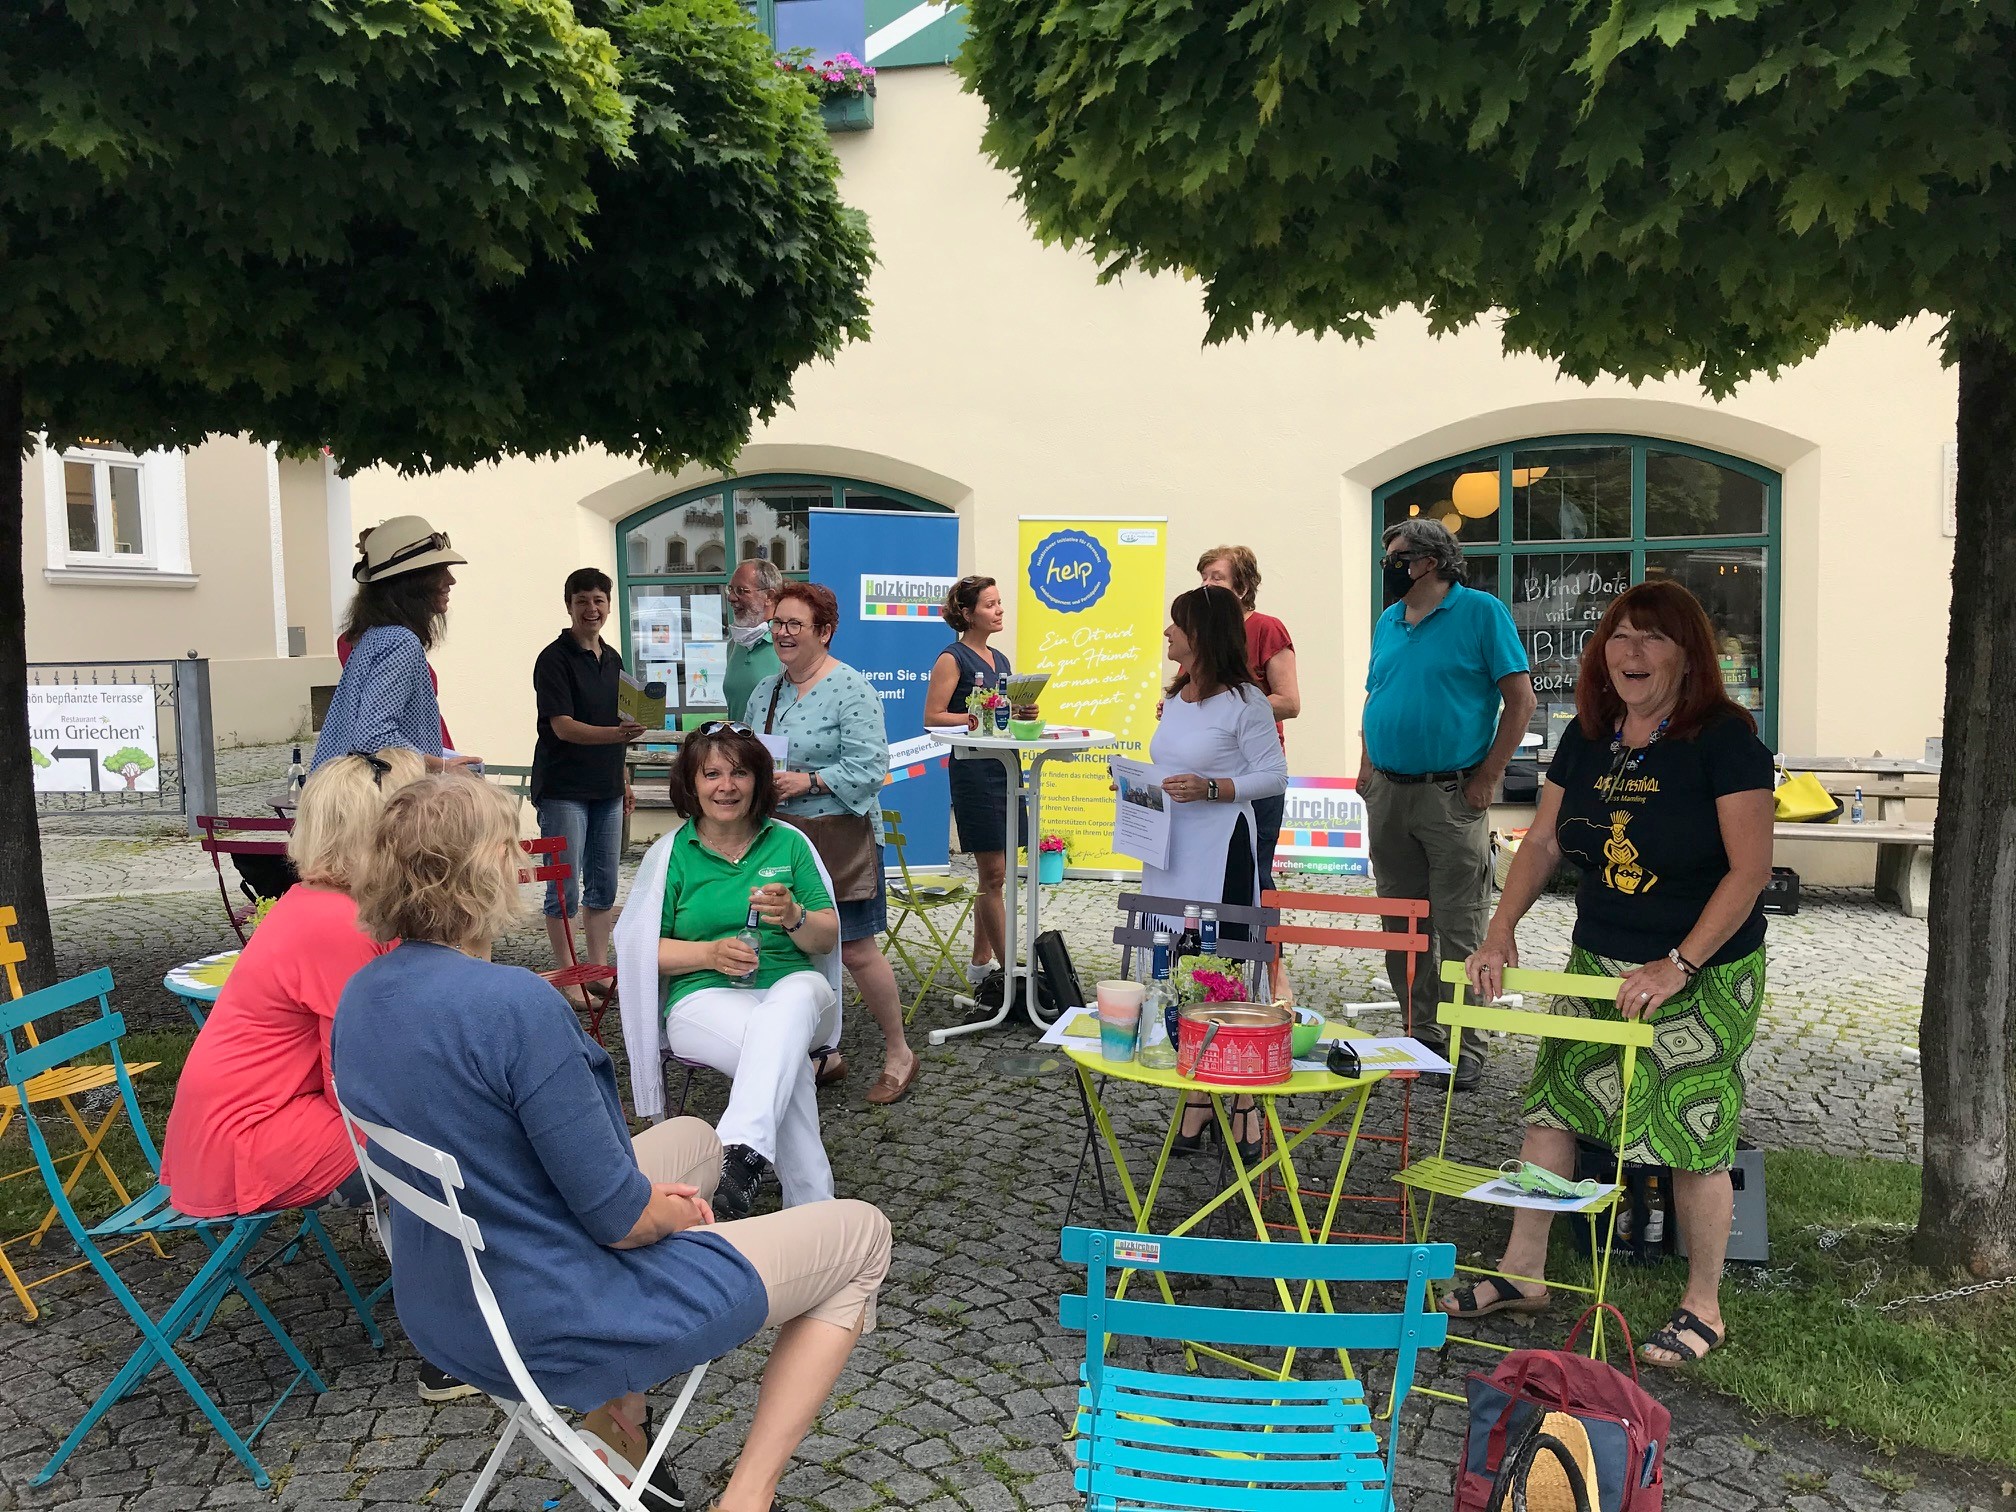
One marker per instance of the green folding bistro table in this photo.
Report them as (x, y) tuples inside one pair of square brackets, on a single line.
[(1342, 1098)]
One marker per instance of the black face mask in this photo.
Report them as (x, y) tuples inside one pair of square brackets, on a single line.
[(1399, 578)]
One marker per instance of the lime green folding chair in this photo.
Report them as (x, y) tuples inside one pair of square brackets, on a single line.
[(921, 901), (1438, 1176)]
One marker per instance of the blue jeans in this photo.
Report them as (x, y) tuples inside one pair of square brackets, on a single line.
[(593, 829)]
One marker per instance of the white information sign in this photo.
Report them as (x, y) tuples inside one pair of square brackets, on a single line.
[(86, 738)]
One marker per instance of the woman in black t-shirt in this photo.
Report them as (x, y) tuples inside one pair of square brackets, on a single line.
[(1660, 794)]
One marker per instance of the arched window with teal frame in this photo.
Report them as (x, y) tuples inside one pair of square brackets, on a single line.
[(674, 557), (1558, 526)]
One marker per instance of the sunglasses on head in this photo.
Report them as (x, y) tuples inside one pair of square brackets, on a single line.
[(724, 726), (379, 766)]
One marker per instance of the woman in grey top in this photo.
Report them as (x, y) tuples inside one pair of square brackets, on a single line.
[(838, 758)]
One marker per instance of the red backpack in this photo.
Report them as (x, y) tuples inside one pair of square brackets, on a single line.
[(1627, 1429)]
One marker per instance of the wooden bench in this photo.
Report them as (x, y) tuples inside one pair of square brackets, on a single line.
[(1903, 855)]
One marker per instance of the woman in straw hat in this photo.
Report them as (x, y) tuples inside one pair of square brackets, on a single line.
[(386, 695)]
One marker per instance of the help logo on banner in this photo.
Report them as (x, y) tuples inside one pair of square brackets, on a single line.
[(1069, 571)]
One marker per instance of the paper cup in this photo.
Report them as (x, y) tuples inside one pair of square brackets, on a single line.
[(1121, 1001), (1116, 1040)]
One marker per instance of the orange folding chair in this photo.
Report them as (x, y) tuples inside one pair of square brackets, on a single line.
[(577, 972), (1398, 925), (61, 1085)]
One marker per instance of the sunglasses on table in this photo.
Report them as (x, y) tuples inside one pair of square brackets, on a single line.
[(1342, 1061)]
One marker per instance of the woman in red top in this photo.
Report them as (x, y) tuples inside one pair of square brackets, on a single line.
[(1271, 653), (254, 1125)]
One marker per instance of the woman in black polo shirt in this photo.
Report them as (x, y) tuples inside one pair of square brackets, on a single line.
[(1660, 794), (579, 786)]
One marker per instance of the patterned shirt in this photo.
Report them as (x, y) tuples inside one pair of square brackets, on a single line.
[(835, 730), (385, 698)]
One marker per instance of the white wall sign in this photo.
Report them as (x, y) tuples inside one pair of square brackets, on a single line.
[(90, 739)]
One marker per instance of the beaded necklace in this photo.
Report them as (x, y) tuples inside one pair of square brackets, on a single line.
[(1624, 760)]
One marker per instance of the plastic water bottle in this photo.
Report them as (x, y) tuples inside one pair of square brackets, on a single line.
[(296, 776), (1855, 809), (748, 936), (1207, 931)]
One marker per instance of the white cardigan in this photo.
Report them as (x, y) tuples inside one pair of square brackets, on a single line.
[(641, 991)]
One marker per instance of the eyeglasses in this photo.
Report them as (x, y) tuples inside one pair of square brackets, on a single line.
[(788, 627), (379, 766), (721, 726), (1342, 1061)]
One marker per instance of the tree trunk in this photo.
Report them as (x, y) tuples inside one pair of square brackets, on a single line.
[(1968, 1033), (20, 836)]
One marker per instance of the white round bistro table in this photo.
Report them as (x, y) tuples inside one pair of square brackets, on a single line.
[(1055, 744)]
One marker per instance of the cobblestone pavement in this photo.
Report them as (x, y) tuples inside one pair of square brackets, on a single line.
[(959, 1402)]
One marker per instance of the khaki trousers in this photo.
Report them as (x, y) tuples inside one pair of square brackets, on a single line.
[(1427, 842), (823, 1260)]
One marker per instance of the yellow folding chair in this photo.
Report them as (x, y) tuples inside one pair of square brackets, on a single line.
[(1439, 1176), (60, 1086), (920, 900)]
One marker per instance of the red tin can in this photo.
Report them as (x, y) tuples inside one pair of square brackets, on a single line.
[(1250, 1048)]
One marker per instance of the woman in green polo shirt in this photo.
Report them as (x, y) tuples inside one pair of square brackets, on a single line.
[(753, 1014)]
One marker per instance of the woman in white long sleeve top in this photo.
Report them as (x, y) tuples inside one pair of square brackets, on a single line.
[(1216, 737)]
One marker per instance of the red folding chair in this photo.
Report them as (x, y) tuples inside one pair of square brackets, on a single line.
[(222, 837), (576, 973), (1410, 938)]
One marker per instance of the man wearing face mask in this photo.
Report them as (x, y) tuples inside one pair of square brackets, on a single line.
[(1447, 698), (751, 658)]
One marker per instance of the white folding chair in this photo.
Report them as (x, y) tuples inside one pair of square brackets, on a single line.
[(532, 1415)]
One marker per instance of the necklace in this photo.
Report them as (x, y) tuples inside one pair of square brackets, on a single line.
[(729, 853), (1624, 760)]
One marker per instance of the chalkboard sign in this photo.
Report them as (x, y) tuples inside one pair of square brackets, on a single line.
[(1557, 600)]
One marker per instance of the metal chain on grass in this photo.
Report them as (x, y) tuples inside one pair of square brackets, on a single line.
[(1946, 1296), (1828, 1239)]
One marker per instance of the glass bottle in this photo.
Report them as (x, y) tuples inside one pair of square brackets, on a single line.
[(296, 775), (1191, 941), (1207, 932), (1157, 1046)]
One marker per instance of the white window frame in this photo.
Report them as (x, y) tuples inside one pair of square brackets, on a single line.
[(164, 519)]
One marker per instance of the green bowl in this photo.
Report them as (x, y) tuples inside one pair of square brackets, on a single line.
[(1025, 729), (1302, 1038)]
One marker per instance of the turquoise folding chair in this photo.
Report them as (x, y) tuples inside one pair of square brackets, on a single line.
[(230, 1241), (1156, 1439)]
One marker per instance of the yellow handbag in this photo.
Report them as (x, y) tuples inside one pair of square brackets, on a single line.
[(1799, 798)]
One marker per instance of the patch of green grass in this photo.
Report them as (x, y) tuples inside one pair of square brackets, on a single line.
[(1806, 1480), (24, 1200), (1931, 1376), (1890, 1480)]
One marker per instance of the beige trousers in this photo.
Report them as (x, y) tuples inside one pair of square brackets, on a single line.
[(823, 1260), (1427, 842)]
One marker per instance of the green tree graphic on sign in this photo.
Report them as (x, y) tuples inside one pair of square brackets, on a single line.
[(129, 762)]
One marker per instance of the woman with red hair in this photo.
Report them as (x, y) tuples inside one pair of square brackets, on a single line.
[(1660, 794)]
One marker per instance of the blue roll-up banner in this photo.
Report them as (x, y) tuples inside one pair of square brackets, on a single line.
[(891, 569)]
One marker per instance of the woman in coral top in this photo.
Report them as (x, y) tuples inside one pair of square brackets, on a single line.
[(254, 1125)]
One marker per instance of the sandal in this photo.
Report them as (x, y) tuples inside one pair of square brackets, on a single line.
[(828, 1066), (1669, 1339), (1505, 1297)]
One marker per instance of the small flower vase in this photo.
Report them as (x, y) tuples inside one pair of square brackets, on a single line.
[(1049, 866), (1000, 717)]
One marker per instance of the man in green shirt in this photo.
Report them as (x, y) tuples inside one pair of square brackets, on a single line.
[(752, 592)]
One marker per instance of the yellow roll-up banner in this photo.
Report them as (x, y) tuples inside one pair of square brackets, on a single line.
[(1089, 610)]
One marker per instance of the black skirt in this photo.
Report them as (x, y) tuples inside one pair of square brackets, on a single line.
[(980, 805)]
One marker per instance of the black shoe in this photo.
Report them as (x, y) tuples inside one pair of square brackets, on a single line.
[(1195, 1144), (1249, 1149), (1469, 1065), (742, 1173), (436, 1385)]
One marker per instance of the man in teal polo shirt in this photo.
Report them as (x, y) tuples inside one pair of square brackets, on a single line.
[(1447, 698)]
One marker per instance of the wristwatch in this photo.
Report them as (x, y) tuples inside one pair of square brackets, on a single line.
[(1211, 789)]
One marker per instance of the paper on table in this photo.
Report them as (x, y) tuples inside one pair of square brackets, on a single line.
[(1501, 1193), (703, 617), (1075, 1028), (1140, 812)]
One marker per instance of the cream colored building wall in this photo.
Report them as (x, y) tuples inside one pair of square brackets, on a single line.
[(230, 613), (1002, 379)]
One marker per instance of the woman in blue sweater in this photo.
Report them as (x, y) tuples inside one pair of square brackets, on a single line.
[(603, 1252)]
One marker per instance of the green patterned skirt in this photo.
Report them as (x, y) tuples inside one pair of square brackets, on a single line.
[(1687, 1093)]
